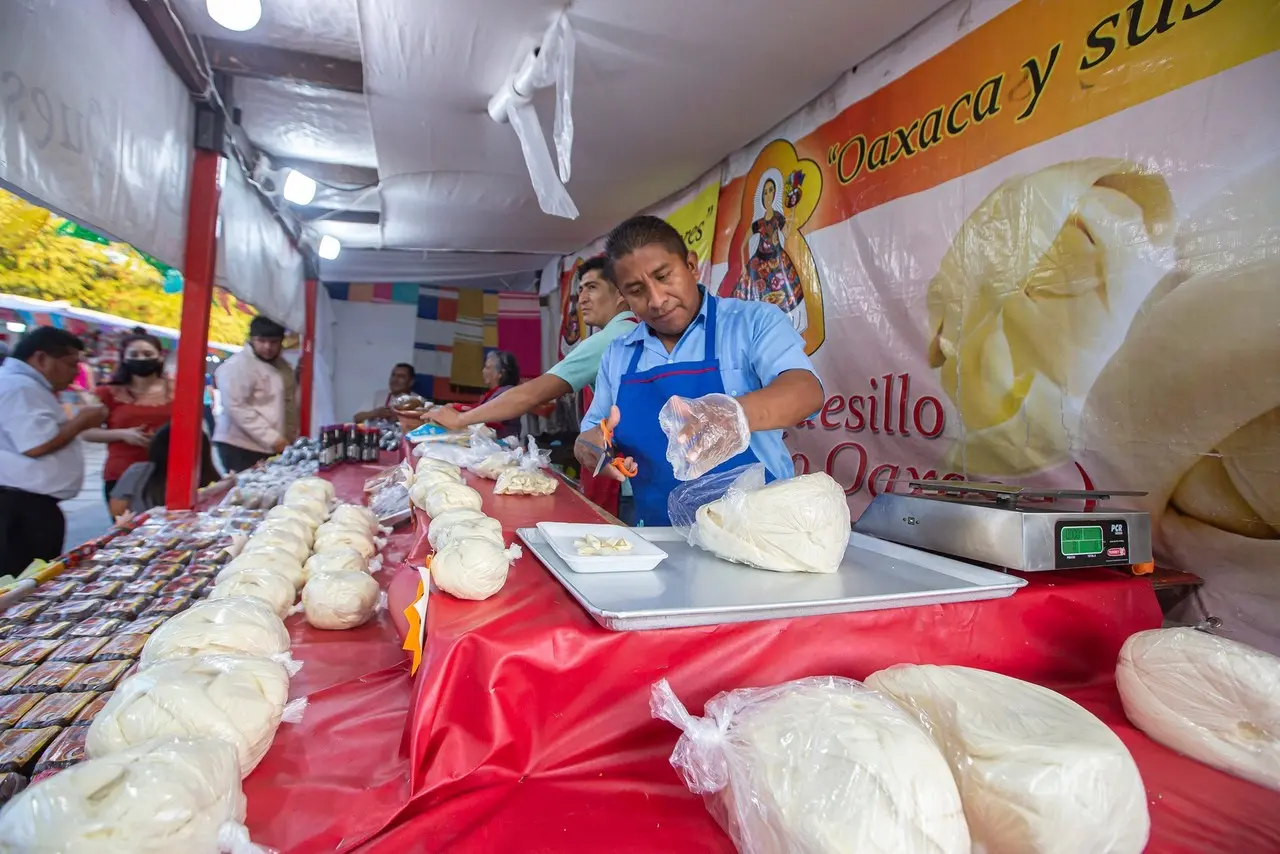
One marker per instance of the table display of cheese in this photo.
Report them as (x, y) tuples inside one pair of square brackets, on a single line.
[(171, 637)]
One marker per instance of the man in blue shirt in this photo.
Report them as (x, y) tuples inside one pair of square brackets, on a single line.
[(703, 385)]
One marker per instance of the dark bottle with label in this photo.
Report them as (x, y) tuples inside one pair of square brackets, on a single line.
[(354, 454)]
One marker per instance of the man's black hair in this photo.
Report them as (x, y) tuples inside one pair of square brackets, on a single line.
[(408, 367), (638, 232), (264, 327), (596, 264), (47, 339)]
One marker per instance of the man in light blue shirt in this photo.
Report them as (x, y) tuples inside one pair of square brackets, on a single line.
[(703, 385), (41, 459)]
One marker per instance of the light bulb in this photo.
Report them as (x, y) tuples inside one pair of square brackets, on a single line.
[(298, 188), (236, 15), (329, 247)]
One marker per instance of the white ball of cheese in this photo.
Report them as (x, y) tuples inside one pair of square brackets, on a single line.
[(451, 496), (316, 511), (340, 600), (346, 538), (271, 587), (316, 488), (471, 568), (235, 698), (239, 626), (279, 540), (354, 516), (304, 531), (462, 523), (284, 511), (269, 558), (336, 560)]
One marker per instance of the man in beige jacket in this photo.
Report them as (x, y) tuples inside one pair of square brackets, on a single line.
[(259, 415)]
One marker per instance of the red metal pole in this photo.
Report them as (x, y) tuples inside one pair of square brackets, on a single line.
[(307, 361), (197, 295)]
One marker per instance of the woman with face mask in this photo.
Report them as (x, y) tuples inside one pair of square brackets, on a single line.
[(139, 401)]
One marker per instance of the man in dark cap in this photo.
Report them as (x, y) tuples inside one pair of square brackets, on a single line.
[(259, 393)]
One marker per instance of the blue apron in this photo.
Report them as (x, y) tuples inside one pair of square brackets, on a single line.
[(641, 396)]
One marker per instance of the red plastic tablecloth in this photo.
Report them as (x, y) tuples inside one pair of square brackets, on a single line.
[(530, 727)]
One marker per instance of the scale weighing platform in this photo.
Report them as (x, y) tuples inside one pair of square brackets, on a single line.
[(1012, 527)]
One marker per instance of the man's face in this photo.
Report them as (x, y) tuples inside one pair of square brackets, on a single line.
[(660, 287), (401, 381), (267, 349), (60, 371), (597, 298)]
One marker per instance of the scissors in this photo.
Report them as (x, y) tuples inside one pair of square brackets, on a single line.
[(619, 462)]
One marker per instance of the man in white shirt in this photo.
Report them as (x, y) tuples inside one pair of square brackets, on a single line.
[(41, 458), (259, 415), (401, 382)]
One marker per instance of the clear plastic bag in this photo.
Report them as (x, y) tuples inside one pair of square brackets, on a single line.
[(529, 475), (239, 626), (816, 766), (1210, 698), (340, 600), (703, 433), (238, 699), (159, 798), (797, 525), (1037, 773)]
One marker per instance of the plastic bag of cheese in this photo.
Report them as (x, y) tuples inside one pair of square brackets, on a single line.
[(238, 626), (163, 797), (238, 699), (820, 766), (1037, 773), (795, 525), (1213, 699)]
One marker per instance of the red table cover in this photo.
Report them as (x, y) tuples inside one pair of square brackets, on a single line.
[(530, 728)]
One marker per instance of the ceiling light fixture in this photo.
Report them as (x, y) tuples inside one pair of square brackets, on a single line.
[(298, 188), (236, 15), (329, 247)]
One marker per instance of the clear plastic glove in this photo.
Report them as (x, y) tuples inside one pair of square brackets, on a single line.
[(703, 433)]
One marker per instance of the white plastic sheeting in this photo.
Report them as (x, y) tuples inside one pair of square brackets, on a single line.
[(324, 27), (104, 140), (306, 122), (256, 260), (454, 268), (323, 361)]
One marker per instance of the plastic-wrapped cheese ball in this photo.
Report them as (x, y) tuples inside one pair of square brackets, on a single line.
[(355, 526), (269, 558), (340, 600), (304, 531), (493, 465), (338, 560), (284, 511), (451, 496), (271, 587), (345, 538), (239, 626), (424, 484), (232, 697), (316, 488), (280, 540), (163, 797), (316, 511), (472, 567), (355, 516), (462, 522), (429, 464)]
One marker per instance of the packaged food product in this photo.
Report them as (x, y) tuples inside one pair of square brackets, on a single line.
[(55, 590), (185, 585), (105, 557), (23, 612), (144, 625), (124, 609), (99, 589), (10, 676), (48, 678), (74, 609), (20, 747), (205, 569), (162, 571), (99, 676), (41, 631), (29, 652), (175, 796), (10, 784), (141, 554), (94, 627), (79, 576), (122, 647), (167, 605), (89, 712), (55, 710), (122, 572), (143, 587), (14, 706), (177, 556), (212, 556), (79, 650), (65, 750)]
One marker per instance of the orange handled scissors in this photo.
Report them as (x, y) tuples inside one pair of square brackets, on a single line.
[(627, 468)]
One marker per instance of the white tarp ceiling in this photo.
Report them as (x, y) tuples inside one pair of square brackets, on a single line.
[(102, 140)]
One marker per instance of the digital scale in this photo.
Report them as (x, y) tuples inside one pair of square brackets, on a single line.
[(1014, 527)]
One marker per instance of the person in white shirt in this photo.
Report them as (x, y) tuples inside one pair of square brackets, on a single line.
[(259, 415), (41, 458), (401, 382)]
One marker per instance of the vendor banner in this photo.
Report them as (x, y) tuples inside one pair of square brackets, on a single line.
[(1039, 243)]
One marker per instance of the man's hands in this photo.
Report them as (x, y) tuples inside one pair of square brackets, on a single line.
[(589, 457), (89, 417), (703, 433)]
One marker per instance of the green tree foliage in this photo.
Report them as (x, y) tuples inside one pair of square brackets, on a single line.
[(38, 262)]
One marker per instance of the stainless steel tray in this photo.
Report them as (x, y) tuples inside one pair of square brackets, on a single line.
[(695, 588)]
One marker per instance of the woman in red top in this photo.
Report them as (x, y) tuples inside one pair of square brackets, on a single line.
[(139, 401)]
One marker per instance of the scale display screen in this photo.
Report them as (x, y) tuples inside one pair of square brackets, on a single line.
[(1096, 542)]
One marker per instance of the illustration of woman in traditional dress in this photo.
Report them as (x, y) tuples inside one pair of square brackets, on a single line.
[(768, 272)]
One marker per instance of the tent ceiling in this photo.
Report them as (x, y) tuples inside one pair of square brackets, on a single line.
[(664, 90)]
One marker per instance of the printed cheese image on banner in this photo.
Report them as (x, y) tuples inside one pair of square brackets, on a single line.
[(1038, 242)]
